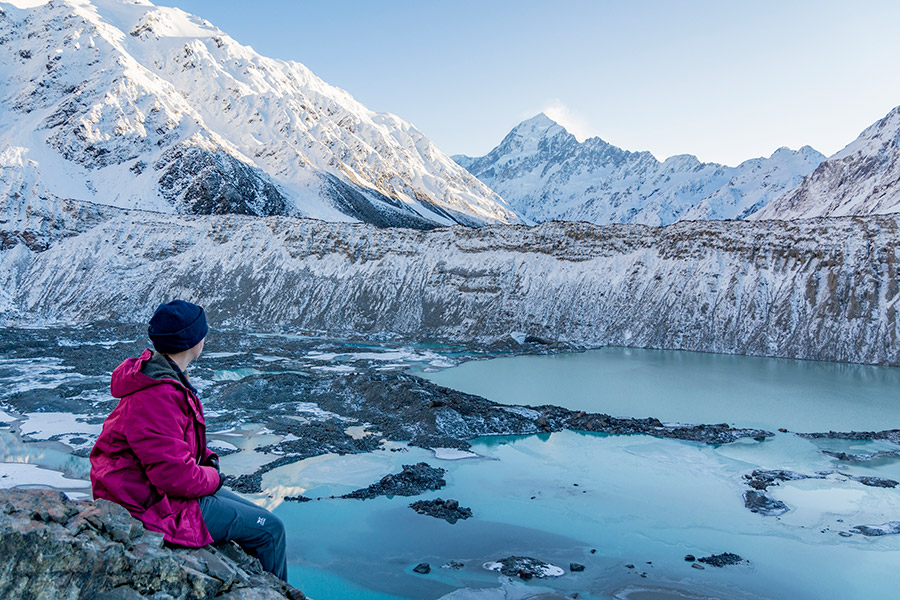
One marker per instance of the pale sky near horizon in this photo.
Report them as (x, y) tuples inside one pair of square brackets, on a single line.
[(726, 81)]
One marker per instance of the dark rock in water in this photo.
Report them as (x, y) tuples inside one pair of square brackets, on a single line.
[(576, 567), (862, 457), (454, 565), (412, 481), (761, 480), (449, 510), (53, 547), (721, 560), (889, 528), (759, 502), (875, 481), (690, 558), (698, 566), (524, 567), (892, 435), (297, 499), (845, 534), (423, 568), (629, 566), (593, 551)]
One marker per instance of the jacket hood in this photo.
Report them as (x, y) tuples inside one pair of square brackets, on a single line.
[(147, 370)]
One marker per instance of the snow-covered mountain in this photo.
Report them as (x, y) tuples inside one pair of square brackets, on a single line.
[(861, 179), (816, 288), (124, 103), (544, 173)]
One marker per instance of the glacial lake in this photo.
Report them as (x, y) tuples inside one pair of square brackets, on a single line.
[(628, 508), (692, 387)]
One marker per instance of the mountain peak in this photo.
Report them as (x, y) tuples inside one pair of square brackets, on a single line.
[(146, 106), (539, 125)]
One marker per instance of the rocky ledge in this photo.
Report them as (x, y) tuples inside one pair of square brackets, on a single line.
[(56, 547)]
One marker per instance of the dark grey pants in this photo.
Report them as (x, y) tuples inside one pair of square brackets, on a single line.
[(256, 530)]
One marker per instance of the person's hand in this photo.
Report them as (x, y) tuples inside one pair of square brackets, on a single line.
[(212, 461)]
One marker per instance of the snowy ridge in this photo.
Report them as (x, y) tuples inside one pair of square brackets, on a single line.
[(546, 174), (819, 289), (137, 106), (861, 179)]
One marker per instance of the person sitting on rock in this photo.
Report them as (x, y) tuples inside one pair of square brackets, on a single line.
[(151, 456)]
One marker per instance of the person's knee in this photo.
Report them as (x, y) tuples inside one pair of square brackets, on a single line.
[(272, 526), (277, 528)]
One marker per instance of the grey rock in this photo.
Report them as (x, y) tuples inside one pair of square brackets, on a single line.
[(889, 528), (449, 510), (721, 560), (53, 547), (759, 502), (523, 567), (411, 481)]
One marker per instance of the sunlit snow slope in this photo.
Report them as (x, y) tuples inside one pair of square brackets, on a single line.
[(128, 104), (861, 179)]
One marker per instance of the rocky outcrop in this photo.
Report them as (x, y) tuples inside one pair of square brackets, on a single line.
[(448, 510), (53, 547), (411, 481), (818, 289)]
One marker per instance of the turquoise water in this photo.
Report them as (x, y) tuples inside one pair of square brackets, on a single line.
[(632, 498), (692, 387), (635, 500)]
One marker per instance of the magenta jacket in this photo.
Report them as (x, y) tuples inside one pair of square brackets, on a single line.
[(147, 456)]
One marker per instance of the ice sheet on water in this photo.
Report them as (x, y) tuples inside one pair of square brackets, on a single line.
[(43, 426), (452, 454), (509, 589), (15, 474), (234, 374)]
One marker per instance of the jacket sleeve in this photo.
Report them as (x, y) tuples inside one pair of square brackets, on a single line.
[(156, 434)]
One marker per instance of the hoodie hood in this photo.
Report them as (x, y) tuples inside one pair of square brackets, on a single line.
[(147, 370)]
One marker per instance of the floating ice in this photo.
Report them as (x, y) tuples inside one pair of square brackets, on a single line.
[(43, 426), (15, 474), (452, 454)]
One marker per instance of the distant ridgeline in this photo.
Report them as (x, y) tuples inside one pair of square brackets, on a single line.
[(144, 154), (817, 288)]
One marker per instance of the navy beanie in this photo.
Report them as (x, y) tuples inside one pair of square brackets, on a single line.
[(177, 326)]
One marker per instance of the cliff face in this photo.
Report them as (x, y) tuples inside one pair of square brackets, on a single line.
[(818, 289), (53, 547)]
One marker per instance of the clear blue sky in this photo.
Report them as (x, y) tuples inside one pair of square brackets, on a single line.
[(726, 80)]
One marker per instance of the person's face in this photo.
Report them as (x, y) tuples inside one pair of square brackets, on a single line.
[(197, 350)]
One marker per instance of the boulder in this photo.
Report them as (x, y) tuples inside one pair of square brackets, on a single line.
[(56, 547)]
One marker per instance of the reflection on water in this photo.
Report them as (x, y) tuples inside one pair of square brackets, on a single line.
[(692, 387)]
